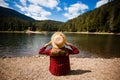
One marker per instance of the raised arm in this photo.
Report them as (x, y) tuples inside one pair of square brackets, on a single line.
[(73, 49), (43, 49)]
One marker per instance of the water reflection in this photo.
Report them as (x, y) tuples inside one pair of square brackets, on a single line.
[(21, 44), (106, 46)]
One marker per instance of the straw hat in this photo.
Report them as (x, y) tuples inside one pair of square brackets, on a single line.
[(58, 40)]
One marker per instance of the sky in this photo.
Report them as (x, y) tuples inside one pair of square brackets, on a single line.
[(58, 10)]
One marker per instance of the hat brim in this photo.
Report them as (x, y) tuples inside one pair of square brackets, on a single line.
[(61, 44)]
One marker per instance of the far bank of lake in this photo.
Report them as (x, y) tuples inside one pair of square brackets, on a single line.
[(42, 32)]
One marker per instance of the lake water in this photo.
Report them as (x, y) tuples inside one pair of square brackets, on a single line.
[(90, 45)]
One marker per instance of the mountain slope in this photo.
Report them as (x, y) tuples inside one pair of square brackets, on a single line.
[(11, 20), (103, 19), (13, 13), (48, 25)]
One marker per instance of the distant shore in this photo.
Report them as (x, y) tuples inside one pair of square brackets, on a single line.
[(12, 31), (27, 31), (94, 33), (45, 32), (36, 68)]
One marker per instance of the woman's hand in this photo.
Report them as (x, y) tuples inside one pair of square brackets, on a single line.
[(47, 44), (68, 44)]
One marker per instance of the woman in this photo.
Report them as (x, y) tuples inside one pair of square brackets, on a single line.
[(59, 54)]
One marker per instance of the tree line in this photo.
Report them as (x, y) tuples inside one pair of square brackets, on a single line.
[(103, 19)]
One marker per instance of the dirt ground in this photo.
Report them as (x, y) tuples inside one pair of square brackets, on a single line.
[(36, 68)]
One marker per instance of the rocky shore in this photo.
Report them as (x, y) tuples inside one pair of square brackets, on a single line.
[(36, 68)]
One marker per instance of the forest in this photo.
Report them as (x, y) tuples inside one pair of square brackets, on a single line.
[(103, 19)]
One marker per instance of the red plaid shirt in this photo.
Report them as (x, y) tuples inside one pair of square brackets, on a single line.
[(59, 65)]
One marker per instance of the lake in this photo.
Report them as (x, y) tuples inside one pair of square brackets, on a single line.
[(89, 45)]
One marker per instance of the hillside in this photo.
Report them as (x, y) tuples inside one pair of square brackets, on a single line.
[(103, 19), (13, 13), (48, 25), (11, 20)]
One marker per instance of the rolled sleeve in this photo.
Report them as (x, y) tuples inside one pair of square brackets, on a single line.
[(44, 51), (74, 50)]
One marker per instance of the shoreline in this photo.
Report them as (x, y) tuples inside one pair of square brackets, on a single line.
[(12, 31), (46, 32), (95, 33), (37, 68)]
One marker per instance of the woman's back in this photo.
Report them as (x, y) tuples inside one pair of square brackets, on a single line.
[(59, 65), (59, 54)]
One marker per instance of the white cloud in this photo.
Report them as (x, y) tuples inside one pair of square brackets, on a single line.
[(101, 2), (58, 8), (34, 11), (46, 3), (65, 8), (3, 3), (74, 10), (38, 12), (23, 2), (21, 7), (35, 8)]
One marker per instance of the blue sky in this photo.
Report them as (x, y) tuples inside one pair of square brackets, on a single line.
[(59, 10)]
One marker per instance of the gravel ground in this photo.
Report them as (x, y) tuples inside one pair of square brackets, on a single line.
[(36, 68)]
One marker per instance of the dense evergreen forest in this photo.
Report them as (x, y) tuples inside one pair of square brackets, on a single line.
[(48, 25), (11, 20), (103, 19)]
